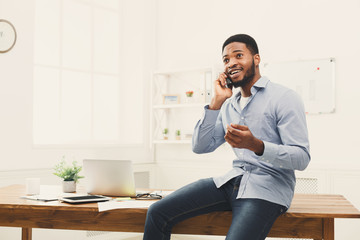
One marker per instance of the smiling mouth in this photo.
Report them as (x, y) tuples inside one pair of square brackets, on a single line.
[(235, 71)]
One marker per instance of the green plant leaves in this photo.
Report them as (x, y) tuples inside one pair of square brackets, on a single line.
[(68, 173)]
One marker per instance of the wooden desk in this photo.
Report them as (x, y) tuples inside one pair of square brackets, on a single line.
[(310, 216)]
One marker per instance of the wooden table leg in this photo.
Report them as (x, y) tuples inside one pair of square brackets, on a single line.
[(328, 229), (26, 234)]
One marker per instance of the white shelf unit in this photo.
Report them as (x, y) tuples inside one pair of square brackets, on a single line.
[(182, 114)]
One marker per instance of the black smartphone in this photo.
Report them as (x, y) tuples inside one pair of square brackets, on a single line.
[(229, 82)]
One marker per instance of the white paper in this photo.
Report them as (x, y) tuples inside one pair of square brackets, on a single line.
[(44, 198), (163, 193), (106, 206)]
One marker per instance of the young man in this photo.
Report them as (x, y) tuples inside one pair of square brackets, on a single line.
[(265, 125)]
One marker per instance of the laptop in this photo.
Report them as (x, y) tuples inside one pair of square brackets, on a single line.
[(109, 177)]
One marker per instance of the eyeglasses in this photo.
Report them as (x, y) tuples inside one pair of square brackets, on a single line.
[(148, 196)]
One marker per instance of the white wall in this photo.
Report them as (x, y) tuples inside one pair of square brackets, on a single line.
[(16, 79)]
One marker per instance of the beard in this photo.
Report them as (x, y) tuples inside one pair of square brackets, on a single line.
[(249, 76)]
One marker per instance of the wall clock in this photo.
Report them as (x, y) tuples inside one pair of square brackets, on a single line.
[(7, 36)]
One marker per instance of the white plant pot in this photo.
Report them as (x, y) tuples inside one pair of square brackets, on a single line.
[(69, 186), (189, 99)]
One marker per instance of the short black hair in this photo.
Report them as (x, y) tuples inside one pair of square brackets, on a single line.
[(243, 38)]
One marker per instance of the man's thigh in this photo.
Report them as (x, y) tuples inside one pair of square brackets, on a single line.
[(192, 200), (253, 219)]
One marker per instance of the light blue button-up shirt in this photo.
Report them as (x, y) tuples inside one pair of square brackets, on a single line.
[(275, 115)]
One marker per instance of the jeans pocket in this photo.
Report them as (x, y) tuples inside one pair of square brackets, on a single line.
[(282, 210), (236, 184)]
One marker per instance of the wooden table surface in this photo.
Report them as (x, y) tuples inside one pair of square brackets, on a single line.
[(310, 216), (322, 206)]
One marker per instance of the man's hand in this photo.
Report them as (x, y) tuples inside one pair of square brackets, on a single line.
[(239, 136), (221, 93)]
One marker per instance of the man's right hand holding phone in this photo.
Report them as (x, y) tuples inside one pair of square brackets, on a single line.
[(221, 92)]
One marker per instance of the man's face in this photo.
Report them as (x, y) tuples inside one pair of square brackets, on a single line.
[(239, 63)]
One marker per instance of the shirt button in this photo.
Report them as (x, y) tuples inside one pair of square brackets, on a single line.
[(267, 161), (281, 166), (242, 118), (262, 158)]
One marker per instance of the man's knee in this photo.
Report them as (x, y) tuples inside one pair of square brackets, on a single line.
[(155, 211)]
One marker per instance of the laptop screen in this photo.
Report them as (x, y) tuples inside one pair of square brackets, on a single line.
[(109, 177)]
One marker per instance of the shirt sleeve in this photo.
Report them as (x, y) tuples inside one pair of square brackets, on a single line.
[(294, 152), (209, 132)]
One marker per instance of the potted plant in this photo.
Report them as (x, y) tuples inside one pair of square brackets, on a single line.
[(189, 93), (166, 133), (189, 96), (178, 134), (69, 174)]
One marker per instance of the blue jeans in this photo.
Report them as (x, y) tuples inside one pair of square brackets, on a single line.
[(251, 218)]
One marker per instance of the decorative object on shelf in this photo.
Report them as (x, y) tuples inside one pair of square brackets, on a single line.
[(189, 96), (166, 134), (69, 174), (189, 93), (178, 134), (171, 99), (7, 36), (188, 136)]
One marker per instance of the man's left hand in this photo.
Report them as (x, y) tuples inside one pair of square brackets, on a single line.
[(240, 136)]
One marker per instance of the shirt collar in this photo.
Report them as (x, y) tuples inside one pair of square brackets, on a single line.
[(260, 83)]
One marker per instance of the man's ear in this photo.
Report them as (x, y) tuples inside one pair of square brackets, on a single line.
[(257, 59)]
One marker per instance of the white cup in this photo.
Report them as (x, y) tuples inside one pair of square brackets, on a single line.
[(32, 186)]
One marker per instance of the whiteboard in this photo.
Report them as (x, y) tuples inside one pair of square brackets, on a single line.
[(313, 80)]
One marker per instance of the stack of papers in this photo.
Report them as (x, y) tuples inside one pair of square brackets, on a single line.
[(110, 205), (45, 198), (121, 203)]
